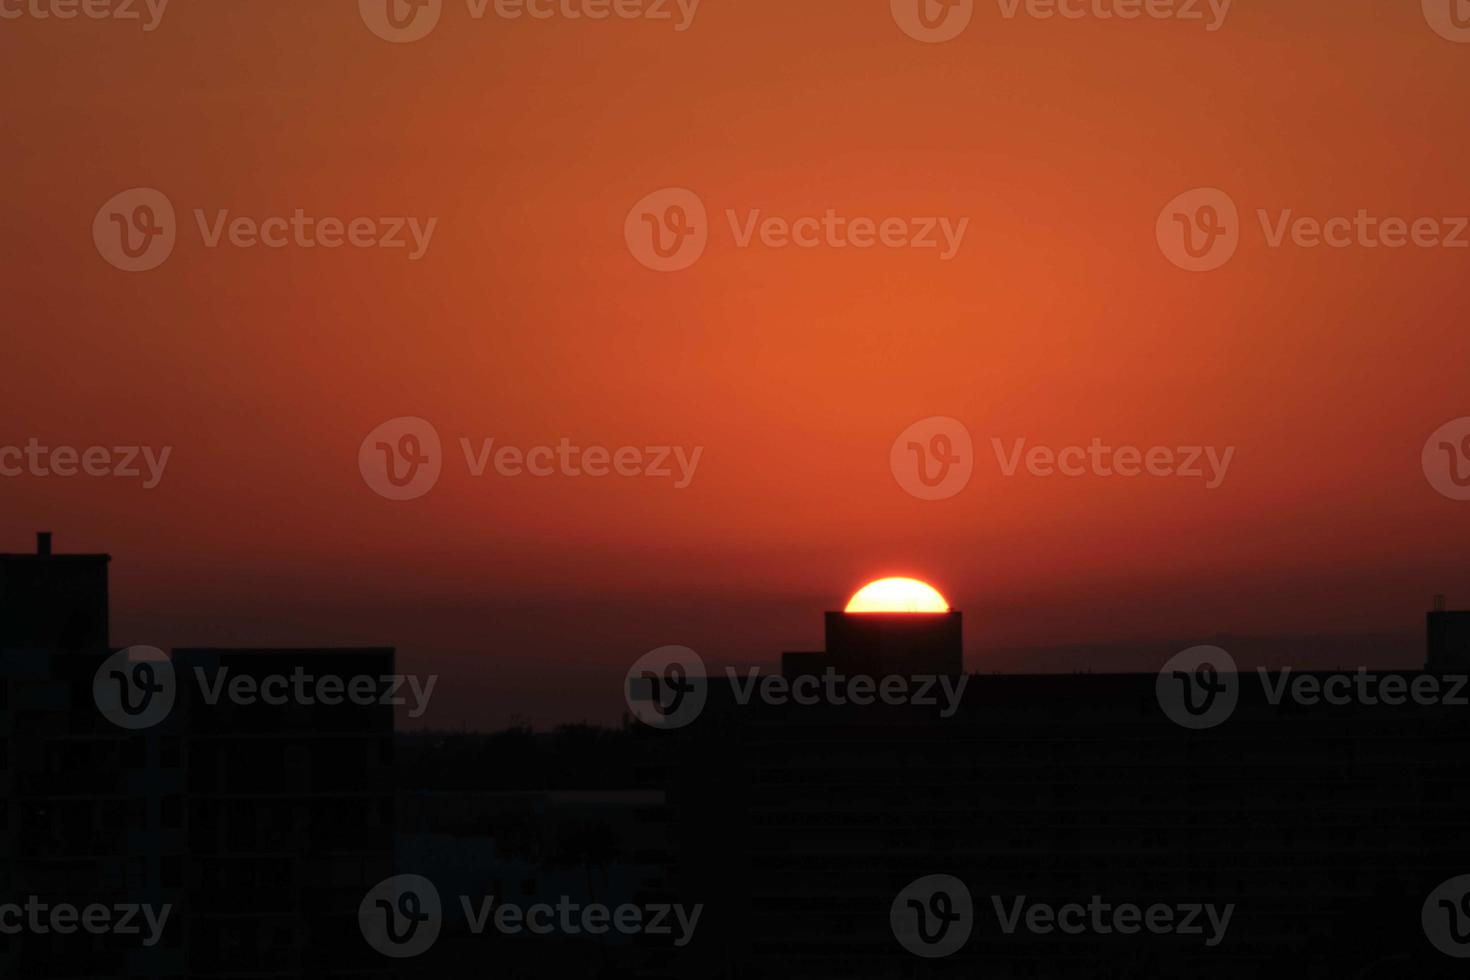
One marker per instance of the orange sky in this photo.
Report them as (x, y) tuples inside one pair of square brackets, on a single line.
[(528, 320)]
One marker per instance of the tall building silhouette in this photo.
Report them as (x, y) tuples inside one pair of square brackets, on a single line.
[(89, 813), (259, 826)]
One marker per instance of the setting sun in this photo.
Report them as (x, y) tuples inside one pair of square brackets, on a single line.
[(897, 595)]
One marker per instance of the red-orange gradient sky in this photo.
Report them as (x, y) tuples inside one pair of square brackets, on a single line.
[(528, 320)]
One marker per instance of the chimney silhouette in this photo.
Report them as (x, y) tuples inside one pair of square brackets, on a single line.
[(43, 543)]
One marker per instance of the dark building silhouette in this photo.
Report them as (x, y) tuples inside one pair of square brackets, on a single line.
[(592, 839), (89, 813), (53, 602), (263, 825), (875, 644), (290, 814), (259, 826), (1326, 826), (1449, 640)]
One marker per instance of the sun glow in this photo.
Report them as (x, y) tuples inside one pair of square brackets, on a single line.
[(897, 595)]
